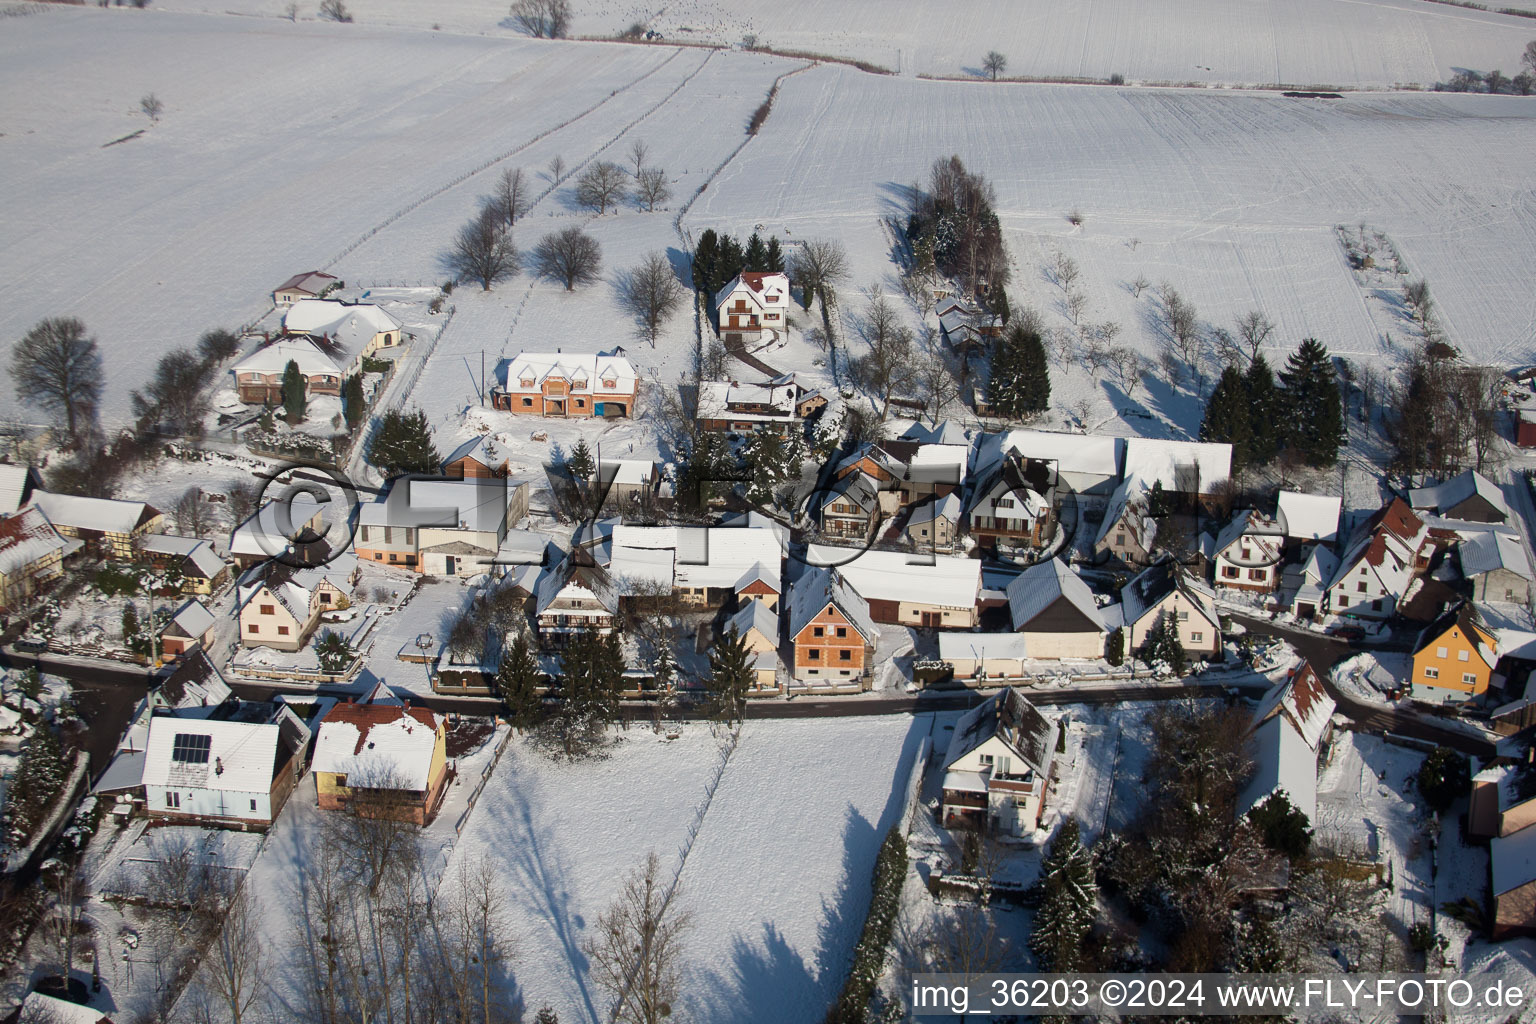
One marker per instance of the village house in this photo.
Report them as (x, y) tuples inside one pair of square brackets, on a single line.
[(901, 588), (1168, 589), (292, 529), (106, 525), (628, 483), (1383, 555), (1495, 565), (980, 657), (1469, 497), (1512, 865), (280, 605), (934, 524), (190, 627), (480, 456), (1454, 657), (760, 583), (312, 284), (202, 570), (603, 384), (753, 307), (1087, 466), (1128, 535), (781, 405), (1190, 472), (702, 566), (1289, 727), (1502, 802), (1310, 582), (348, 333), (259, 376), (31, 554), (1053, 610), (850, 507), (1308, 520), (382, 760), (831, 631), (1014, 504), (758, 627), (16, 486), (957, 328), (573, 598), (40, 1008), (441, 527), (906, 472), (1249, 551), (998, 766), (230, 765)]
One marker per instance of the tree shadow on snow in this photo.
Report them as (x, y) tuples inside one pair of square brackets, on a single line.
[(897, 200), (753, 987), (682, 266)]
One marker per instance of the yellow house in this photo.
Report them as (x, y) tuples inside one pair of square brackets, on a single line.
[(31, 551), (109, 525), (383, 760), (1454, 657)]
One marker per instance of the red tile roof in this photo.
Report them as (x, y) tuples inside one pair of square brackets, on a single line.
[(366, 716)]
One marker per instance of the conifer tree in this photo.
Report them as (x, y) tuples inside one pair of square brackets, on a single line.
[(706, 263), (517, 680), (403, 444), (1163, 644), (1263, 412), (294, 398), (591, 675), (36, 783), (1068, 903), (1313, 414), (1020, 386), (580, 462), (354, 405), (756, 255), (767, 459), (1000, 306), (732, 259), (730, 676), (1226, 417), (1114, 647), (774, 257)]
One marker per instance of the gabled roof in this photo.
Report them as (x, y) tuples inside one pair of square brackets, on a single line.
[(815, 589), (476, 504), (1464, 618), (759, 284), (856, 488), (312, 281), (1128, 510), (482, 448), (16, 485), (934, 507), (242, 754), (195, 683), (1247, 523), (574, 580), (1310, 517), (101, 515), (373, 743), (1152, 585), (1488, 550), (271, 529), (1443, 497), (1013, 719), (1044, 584), (943, 432), (274, 358), (1282, 761), (25, 537), (1080, 454), (204, 560), (1397, 519), (948, 580), (1180, 466), (47, 1010), (754, 615), (978, 646), (592, 367), (328, 318), (1303, 700), (760, 572), (192, 619)]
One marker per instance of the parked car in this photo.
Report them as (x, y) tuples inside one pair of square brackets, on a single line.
[(31, 645), (1350, 634)]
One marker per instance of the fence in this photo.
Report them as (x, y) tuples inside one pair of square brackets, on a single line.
[(915, 783), (485, 776), (396, 387)]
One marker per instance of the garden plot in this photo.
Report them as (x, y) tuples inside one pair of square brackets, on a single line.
[(777, 879)]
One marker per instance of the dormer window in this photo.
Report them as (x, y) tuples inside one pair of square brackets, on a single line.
[(527, 383), (610, 384)]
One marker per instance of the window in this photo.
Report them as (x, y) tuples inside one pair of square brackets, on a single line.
[(818, 631), (268, 609), (1470, 678), (842, 631), (1343, 601), (1361, 586), (1229, 571), (1463, 656), (389, 535), (253, 803), (1119, 540), (1183, 616), (362, 533), (814, 654), (173, 800), (282, 630), (985, 759), (527, 383), (253, 628), (1430, 672), (1442, 652), (1003, 502), (1196, 638), (609, 384), (1256, 574), (325, 597), (408, 538), (527, 403), (392, 556), (190, 748), (845, 655)]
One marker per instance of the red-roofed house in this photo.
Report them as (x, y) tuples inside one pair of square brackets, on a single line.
[(753, 307), (382, 760), (1384, 554), (312, 284)]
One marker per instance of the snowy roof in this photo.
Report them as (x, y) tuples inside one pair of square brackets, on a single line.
[(1302, 698), (1310, 516), (101, 515), (195, 683), (199, 552), (1013, 719), (632, 568), (591, 367), (1042, 585), (815, 589), (274, 358), (1152, 585), (947, 507), (626, 472), (478, 504), (856, 488), (701, 556), (1282, 760), (26, 537), (522, 547), (755, 615), (1247, 523), (15, 482), (1514, 860), (312, 281), (1320, 566), (951, 581), (718, 399), (943, 432), (766, 572), (977, 646), (381, 741), (1072, 453), (577, 582), (270, 528), (193, 619), (772, 287), (47, 1009), (1462, 617), (1445, 496), (483, 448), (125, 771), (241, 754), (1486, 551), (1181, 466), (329, 317), (1127, 510)]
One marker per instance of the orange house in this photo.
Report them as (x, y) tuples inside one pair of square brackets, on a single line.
[(1454, 657), (831, 631)]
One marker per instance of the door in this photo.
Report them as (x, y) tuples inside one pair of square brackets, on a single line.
[(448, 565)]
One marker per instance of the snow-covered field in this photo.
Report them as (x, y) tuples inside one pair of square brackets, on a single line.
[(1216, 41), (777, 880)]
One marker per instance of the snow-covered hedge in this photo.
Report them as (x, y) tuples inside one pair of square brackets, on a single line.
[(869, 954)]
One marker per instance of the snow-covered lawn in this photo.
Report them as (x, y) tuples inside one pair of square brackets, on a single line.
[(778, 878), (1367, 677)]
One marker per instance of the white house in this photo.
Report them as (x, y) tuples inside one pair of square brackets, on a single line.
[(1088, 466), (1311, 582), (1165, 588), (1291, 723), (1127, 534), (998, 766), (1309, 518), (1383, 555), (1013, 504), (1497, 567), (909, 589), (981, 656), (571, 598), (279, 605), (259, 376), (346, 332), (441, 527), (1249, 552), (1053, 609), (753, 307), (277, 528), (231, 765)]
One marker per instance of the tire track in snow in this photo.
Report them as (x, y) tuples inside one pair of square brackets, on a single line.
[(422, 201)]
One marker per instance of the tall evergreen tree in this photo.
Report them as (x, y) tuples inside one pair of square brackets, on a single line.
[(1226, 417), (403, 444), (517, 681), (774, 256), (732, 259), (1163, 644), (706, 262), (756, 255), (1000, 306), (706, 471), (1313, 410), (1020, 385), (770, 463), (1068, 903), (38, 779), (580, 461), (591, 675), (353, 404), (1263, 412), (294, 398), (730, 676)]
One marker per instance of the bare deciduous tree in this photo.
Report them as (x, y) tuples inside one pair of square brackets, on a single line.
[(1419, 300), (334, 10), (994, 63), (637, 950), (483, 250), (379, 839), (176, 396), (1255, 330), (601, 185), (819, 265), (638, 151), (1181, 327), (543, 19), (652, 293), (1139, 285), (191, 518), (240, 497), (938, 385), (235, 963), (1065, 271), (57, 367), (651, 188), (511, 196), (887, 367), (556, 168), (570, 256), (1128, 366), (1077, 305), (152, 106)]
